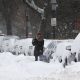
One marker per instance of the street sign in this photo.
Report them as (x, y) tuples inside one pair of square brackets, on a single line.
[(53, 22)]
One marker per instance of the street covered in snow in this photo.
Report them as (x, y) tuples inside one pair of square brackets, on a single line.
[(24, 67)]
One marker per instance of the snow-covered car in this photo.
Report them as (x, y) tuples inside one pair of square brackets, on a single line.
[(29, 48), (24, 46), (50, 49), (8, 43), (52, 44), (19, 47), (75, 47), (63, 55)]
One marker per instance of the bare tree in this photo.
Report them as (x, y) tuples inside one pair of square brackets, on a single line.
[(7, 11), (14, 14), (32, 4)]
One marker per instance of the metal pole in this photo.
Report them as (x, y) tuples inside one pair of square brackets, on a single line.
[(54, 21)]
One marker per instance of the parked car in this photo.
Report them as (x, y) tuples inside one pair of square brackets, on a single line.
[(75, 47), (63, 53), (24, 46), (8, 43), (50, 50)]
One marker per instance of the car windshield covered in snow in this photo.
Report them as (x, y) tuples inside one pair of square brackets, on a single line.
[(53, 44), (51, 48)]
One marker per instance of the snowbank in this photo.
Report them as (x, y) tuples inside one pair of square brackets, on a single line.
[(21, 67), (25, 68)]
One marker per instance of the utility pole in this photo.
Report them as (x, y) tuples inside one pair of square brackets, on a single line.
[(53, 19)]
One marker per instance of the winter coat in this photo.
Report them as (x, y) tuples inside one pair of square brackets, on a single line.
[(38, 50)]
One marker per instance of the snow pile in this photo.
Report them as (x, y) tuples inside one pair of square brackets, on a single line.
[(25, 68), (21, 67)]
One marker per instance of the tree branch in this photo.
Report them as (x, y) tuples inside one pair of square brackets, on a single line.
[(34, 6)]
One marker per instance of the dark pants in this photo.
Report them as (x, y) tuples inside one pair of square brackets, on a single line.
[(37, 53), (40, 56), (36, 58)]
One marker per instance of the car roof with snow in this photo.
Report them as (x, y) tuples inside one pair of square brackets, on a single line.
[(61, 48), (76, 44)]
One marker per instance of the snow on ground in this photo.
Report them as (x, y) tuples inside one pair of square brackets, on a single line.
[(13, 67), (25, 68)]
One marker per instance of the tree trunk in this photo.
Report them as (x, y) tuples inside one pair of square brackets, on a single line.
[(42, 26), (7, 15), (8, 26)]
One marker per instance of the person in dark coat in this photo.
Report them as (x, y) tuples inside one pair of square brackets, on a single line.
[(38, 42)]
